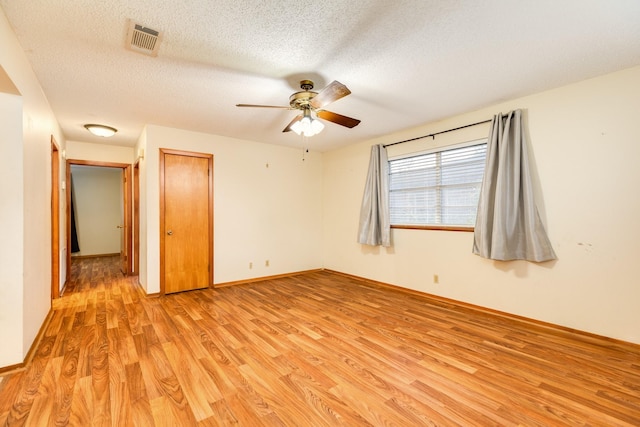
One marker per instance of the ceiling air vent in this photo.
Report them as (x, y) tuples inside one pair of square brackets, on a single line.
[(143, 40)]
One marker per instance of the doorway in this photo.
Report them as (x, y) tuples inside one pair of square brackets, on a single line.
[(126, 221), (186, 221)]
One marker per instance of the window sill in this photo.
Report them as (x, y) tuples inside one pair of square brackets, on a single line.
[(434, 227)]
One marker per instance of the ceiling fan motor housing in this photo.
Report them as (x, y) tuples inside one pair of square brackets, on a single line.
[(300, 100)]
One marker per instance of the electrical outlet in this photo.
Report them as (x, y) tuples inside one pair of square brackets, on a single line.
[(266, 263), (436, 279), (250, 265)]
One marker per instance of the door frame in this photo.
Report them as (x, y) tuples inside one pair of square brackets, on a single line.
[(55, 219), (136, 219), (126, 194), (209, 157)]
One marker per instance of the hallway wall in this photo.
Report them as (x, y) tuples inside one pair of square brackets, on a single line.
[(27, 125)]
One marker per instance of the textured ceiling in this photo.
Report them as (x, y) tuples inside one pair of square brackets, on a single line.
[(406, 62)]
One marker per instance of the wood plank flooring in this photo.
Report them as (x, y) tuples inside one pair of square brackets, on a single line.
[(318, 349)]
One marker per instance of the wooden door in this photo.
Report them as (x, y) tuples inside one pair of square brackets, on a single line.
[(186, 241)]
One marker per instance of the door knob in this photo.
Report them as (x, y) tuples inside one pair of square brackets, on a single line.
[(170, 232)]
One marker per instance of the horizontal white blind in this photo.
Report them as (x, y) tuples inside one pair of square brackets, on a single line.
[(438, 188)]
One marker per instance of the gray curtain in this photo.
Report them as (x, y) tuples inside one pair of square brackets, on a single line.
[(375, 227), (508, 225)]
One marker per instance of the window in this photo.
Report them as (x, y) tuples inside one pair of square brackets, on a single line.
[(438, 188)]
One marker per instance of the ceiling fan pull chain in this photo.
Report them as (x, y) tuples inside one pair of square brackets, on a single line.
[(304, 144)]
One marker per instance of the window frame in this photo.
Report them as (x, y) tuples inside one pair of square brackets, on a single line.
[(443, 227)]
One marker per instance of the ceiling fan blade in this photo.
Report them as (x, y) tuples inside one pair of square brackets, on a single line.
[(338, 118), (264, 106), (329, 94), (296, 119)]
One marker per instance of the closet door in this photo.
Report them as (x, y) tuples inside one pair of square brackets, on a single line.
[(186, 241)]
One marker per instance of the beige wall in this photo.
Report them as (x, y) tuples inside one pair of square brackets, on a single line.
[(98, 206), (584, 142), (11, 216), (25, 287), (78, 150), (141, 146), (267, 205)]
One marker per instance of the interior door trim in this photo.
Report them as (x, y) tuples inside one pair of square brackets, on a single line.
[(55, 219), (135, 268), (209, 157)]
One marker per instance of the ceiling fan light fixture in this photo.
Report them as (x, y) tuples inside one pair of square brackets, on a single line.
[(316, 126), (297, 127), (101, 130), (307, 126)]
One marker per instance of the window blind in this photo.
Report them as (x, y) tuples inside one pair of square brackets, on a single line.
[(437, 188)]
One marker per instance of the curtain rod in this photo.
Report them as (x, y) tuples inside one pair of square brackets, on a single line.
[(433, 135)]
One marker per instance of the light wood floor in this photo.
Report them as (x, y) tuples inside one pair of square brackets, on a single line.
[(318, 349)]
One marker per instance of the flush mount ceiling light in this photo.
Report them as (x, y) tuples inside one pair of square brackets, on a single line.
[(101, 130)]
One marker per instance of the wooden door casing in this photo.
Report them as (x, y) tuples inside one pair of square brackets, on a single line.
[(135, 265), (124, 229), (186, 223), (55, 219)]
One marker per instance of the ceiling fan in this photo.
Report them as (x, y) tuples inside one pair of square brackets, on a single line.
[(310, 103)]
